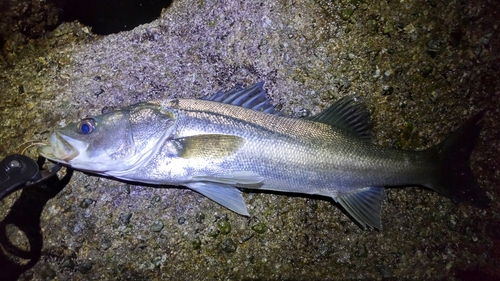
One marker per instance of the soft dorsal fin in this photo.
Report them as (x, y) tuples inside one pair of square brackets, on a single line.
[(364, 205), (347, 114), (252, 97)]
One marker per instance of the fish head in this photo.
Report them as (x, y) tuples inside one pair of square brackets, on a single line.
[(115, 142)]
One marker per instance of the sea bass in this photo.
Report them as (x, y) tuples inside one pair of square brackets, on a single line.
[(217, 145)]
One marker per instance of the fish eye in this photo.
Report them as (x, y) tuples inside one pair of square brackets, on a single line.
[(86, 126)]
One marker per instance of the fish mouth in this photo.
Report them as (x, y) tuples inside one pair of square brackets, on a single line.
[(60, 148)]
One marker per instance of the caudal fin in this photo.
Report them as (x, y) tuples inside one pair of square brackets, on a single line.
[(456, 179)]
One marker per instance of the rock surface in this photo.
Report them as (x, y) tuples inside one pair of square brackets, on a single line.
[(422, 67)]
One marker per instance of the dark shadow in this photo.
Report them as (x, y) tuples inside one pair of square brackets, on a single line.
[(111, 16), (25, 215)]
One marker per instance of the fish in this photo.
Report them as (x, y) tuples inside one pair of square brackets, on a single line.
[(236, 140)]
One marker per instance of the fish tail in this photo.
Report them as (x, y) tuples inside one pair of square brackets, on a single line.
[(455, 179)]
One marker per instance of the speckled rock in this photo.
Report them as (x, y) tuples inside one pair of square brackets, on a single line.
[(422, 67)]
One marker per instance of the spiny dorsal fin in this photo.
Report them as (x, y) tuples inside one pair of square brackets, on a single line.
[(364, 205), (347, 114), (208, 146), (252, 97)]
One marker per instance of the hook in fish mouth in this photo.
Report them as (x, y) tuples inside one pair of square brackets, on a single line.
[(22, 148), (61, 148)]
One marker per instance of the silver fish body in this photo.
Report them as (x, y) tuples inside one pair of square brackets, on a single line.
[(291, 155), (217, 145)]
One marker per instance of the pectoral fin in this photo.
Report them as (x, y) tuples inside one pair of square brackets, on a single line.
[(364, 206), (226, 195), (208, 146)]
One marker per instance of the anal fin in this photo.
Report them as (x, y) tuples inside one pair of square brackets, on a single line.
[(364, 205), (226, 195)]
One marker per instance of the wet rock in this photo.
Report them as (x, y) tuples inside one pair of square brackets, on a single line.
[(105, 243), (68, 262), (125, 218), (196, 244), (200, 217), (86, 203), (229, 246), (46, 272), (157, 226), (181, 220), (259, 227), (85, 267), (224, 226)]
